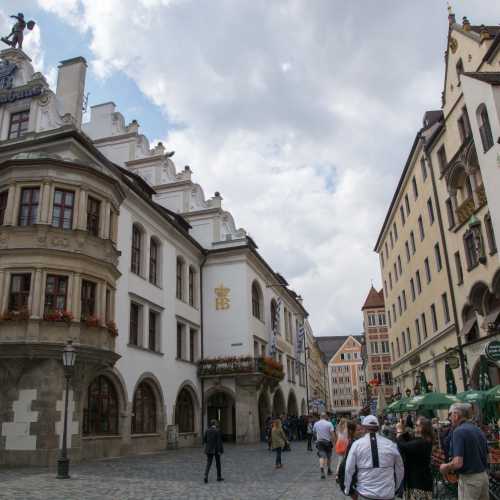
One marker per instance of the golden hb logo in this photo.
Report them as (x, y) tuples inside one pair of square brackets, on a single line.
[(222, 300)]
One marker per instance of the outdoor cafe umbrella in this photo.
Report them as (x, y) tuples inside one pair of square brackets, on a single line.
[(473, 396), (493, 394), (396, 406), (451, 386), (430, 401)]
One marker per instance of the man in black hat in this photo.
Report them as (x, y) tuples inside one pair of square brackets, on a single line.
[(213, 448)]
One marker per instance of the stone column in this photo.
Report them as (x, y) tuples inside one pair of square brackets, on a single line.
[(81, 207), (15, 201), (473, 184), (101, 302), (10, 208), (105, 216), (76, 303), (44, 209), (247, 410), (36, 292), (2, 281)]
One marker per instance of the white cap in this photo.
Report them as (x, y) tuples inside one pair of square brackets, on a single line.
[(370, 421)]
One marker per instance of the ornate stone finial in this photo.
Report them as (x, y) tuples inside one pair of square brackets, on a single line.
[(466, 24), (216, 194), (484, 33), (17, 32), (451, 15)]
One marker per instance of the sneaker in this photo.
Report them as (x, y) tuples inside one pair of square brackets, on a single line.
[(323, 475), (220, 479), (205, 480), (330, 472)]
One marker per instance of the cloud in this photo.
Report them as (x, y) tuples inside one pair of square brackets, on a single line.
[(300, 113)]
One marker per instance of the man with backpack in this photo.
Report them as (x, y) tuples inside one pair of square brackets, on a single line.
[(325, 436), (377, 463)]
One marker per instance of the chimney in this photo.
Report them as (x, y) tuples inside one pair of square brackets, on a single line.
[(71, 86), (484, 33), (451, 16), (466, 24)]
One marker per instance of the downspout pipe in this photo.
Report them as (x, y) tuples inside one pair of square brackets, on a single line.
[(202, 345)]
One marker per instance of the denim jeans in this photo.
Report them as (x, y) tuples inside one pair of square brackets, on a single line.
[(278, 455)]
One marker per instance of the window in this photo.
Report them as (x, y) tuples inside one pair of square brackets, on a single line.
[(460, 69), (381, 319), (404, 299), (400, 267), (184, 412), (446, 309), (419, 283), (371, 320), (449, 212), (421, 228), (384, 346), (386, 251), (490, 234), (430, 209), (153, 331), (395, 272), (398, 347), (18, 124), (29, 206), (414, 186), (101, 413), (192, 345), (93, 212), (417, 329), (412, 289), (136, 249), (441, 154), (180, 341), (407, 248), (387, 378), (179, 278), (390, 280), (470, 250), (434, 318), (423, 167), (19, 291), (144, 410), (462, 129), (256, 300), (484, 127), (62, 211), (395, 229), (427, 270), (458, 265), (403, 337), (424, 324), (134, 325), (392, 240), (389, 317), (3, 205), (274, 318), (382, 263), (87, 299), (191, 283), (400, 308), (394, 312), (108, 315), (402, 213), (374, 347), (437, 254), (55, 293), (407, 205), (153, 261), (412, 241), (408, 336), (385, 288)]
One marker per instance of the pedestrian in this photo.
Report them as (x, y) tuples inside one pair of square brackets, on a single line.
[(268, 429), (214, 448), (417, 454), (351, 437), (341, 441), (310, 433), (469, 452), (278, 441), (378, 464), (325, 436)]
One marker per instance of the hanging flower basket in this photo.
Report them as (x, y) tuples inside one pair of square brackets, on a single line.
[(112, 328), (93, 321), (21, 315), (65, 316)]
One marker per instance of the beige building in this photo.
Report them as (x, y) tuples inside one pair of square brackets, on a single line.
[(376, 353), (436, 247)]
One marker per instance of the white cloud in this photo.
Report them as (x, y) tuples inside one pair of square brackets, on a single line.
[(300, 113)]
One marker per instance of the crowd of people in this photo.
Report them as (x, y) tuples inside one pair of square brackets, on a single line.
[(386, 458)]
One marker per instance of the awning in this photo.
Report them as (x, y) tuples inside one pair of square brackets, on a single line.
[(468, 326), (491, 317)]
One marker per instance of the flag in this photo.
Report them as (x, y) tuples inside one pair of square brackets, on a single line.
[(451, 386), (299, 347), (276, 327)]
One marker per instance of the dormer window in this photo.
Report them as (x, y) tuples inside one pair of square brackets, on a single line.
[(18, 124)]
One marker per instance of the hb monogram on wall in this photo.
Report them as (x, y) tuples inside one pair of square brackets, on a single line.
[(222, 300)]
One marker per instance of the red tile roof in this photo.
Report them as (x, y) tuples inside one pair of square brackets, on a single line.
[(374, 299)]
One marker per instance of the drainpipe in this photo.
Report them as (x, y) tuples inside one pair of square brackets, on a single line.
[(447, 262), (202, 345), (306, 352)]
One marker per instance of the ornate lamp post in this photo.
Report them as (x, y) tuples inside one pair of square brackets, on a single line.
[(69, 358)]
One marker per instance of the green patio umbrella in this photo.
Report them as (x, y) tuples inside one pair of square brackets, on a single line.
[(473, 396), (484, 376), (493, 394), (451, 386), (430, 401), (396, 406)]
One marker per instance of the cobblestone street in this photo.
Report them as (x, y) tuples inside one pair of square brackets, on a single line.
[(248, 472)]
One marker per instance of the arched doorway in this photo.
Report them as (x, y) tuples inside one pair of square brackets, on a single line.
[(264, 413), (220, 406), (184, 411), (292, 404), (278, 404)]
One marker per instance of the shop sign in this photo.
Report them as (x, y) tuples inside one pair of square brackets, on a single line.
[(18, 94), (453, 362), (493, 350), (415, 360)]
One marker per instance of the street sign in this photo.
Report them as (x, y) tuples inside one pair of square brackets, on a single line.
[(453, 362), (493, 350)]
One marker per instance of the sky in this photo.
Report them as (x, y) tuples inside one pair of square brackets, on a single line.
[(300, 112)]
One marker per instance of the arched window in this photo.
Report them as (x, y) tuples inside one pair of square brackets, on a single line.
[(135, 265), (154, 264), (191, 286), (101, 414), (184, 411), (490, 234), (179, 276), (256, 296), (144, 410), (484, 127)]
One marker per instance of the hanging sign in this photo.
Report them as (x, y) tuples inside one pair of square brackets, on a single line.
[(493, 350), (453, 362)]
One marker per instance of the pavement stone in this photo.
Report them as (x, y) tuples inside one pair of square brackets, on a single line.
[(248, 471)]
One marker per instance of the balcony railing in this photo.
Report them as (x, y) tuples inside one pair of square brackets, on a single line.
[(240, 365)]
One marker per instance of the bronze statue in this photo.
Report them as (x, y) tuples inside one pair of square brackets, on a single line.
[(17, 32)]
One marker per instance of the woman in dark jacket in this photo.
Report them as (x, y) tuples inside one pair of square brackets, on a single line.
[(416, 454)]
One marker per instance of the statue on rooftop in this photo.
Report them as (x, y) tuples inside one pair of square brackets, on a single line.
[(17, 33)]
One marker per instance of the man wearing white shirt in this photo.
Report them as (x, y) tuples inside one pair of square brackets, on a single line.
[(324, 434), (377, 463)]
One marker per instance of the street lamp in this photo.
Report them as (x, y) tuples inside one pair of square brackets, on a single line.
[(408, 393), (69, 358)]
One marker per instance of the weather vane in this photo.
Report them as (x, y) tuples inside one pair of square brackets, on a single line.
[(17, 32)]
